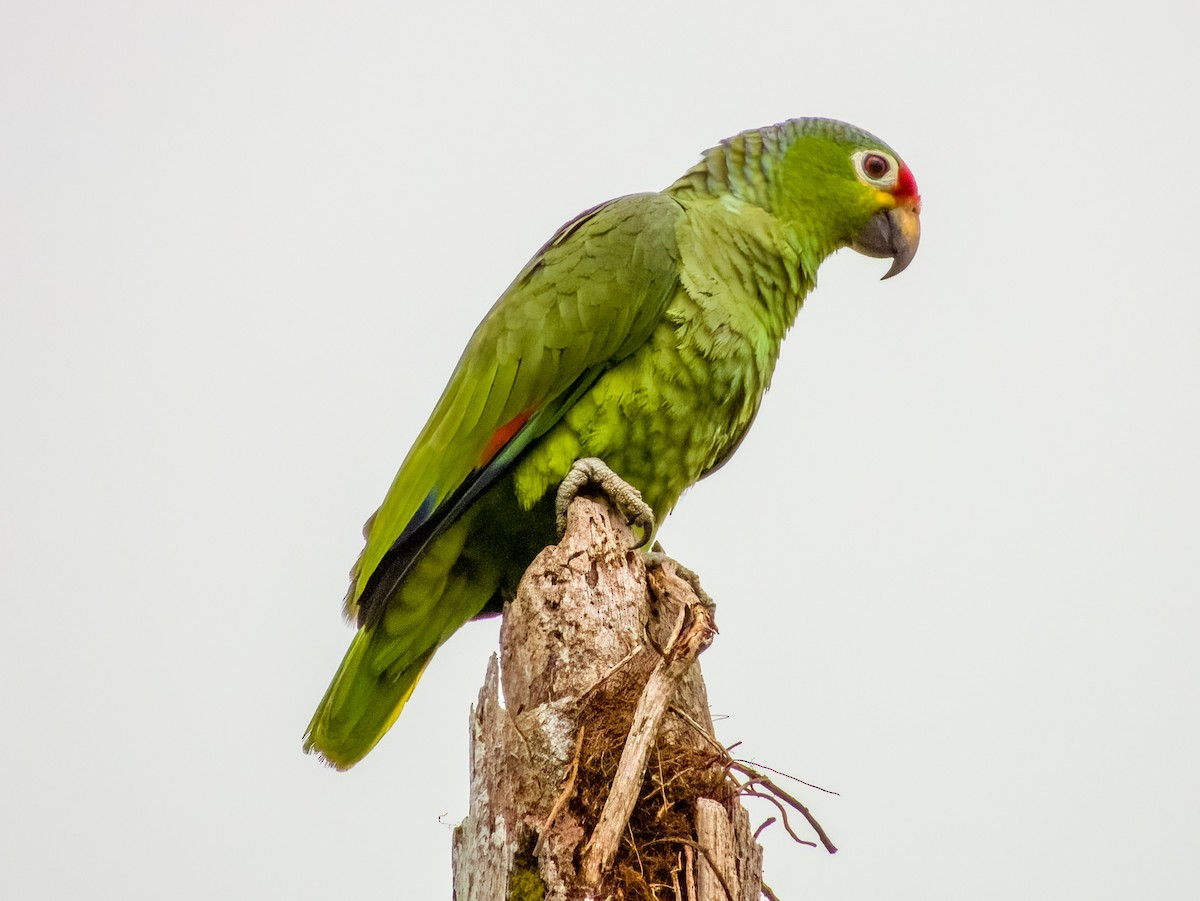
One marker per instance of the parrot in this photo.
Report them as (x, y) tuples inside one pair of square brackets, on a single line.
[(643, 335)]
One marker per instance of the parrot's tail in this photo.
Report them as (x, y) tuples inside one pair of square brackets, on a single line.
[(362, 703)]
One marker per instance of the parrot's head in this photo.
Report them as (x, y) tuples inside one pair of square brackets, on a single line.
[(839, 186)]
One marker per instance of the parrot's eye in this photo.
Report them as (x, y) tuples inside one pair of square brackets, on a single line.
[(876, 168)]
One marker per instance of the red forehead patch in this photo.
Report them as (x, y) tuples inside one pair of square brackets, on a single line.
[(906, 185)]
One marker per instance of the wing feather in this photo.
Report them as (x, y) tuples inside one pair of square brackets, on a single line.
[(586, 300)]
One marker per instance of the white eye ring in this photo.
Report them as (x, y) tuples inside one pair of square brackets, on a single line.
[(887, 180)]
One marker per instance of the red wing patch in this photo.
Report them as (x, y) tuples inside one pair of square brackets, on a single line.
[(503, 435)]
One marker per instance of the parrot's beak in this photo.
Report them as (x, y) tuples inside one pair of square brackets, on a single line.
[(891, 233)]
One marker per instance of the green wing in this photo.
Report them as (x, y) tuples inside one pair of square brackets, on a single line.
[(587, 299)]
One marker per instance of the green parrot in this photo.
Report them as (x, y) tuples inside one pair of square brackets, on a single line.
[(643, 333)]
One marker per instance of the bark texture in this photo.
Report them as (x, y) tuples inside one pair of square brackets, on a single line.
[(599, 777)]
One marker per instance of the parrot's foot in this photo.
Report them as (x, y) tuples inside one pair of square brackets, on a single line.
[(626, 498), (658, 556)]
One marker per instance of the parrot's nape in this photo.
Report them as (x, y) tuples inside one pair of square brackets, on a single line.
[(643, 333)]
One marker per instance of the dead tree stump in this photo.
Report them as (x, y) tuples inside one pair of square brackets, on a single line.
[(599, 776)]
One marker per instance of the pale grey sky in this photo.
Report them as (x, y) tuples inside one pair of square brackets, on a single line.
[(241, 247)]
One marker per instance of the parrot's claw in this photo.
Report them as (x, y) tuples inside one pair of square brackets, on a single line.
[(626, 498)]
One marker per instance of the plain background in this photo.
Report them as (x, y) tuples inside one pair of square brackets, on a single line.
[(241, 247)]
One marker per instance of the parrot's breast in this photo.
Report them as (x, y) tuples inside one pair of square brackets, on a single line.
[(675, 408)]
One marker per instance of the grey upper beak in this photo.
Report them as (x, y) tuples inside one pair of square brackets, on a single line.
[(891, 233)]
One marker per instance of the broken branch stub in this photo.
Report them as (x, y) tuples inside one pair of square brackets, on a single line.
[(588, 780)]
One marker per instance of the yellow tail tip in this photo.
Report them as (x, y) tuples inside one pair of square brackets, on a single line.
[(358, 709)]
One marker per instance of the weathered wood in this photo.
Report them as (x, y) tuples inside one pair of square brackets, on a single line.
[(717, 870), (605, 720)]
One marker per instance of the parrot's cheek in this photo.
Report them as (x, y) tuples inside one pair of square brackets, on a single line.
[(894, 233)]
